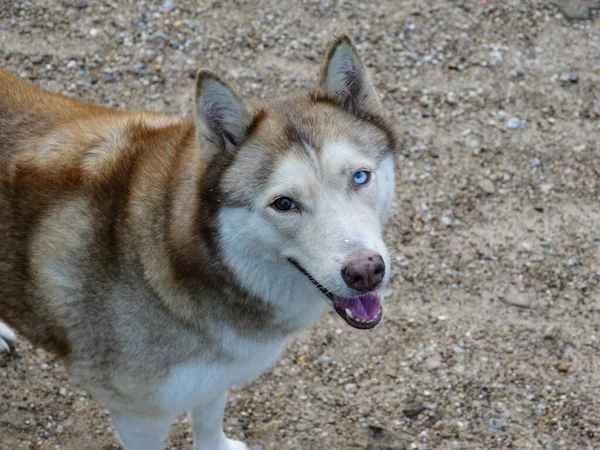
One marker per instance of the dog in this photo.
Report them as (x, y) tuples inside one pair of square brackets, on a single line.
[(166, 259)]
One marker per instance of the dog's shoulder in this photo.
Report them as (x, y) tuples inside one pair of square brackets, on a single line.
[(46, 129), (94, 148)]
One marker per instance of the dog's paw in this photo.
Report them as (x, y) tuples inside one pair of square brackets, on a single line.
[(235, 445), (7, 339), (224, 444)]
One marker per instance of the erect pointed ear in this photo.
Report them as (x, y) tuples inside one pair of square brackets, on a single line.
[(222, 115), (345, 80)]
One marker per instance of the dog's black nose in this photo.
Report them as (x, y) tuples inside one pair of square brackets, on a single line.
[(364, 271)]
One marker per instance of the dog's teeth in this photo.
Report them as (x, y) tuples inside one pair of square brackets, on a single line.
[(349, 313)]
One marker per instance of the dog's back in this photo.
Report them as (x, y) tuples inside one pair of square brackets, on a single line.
[(27, 111), (65, 170)]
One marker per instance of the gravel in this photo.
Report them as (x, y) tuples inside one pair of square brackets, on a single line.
[(525, 317)]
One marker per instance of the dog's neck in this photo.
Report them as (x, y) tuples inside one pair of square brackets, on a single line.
[(184, 262)]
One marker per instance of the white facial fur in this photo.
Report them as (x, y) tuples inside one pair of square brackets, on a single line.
[(334, 221)]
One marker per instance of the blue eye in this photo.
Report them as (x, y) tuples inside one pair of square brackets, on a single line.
[(361, 177)]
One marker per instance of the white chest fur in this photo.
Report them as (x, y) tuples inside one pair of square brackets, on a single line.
[(196, 382)]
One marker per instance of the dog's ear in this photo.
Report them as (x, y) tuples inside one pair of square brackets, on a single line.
[(222, 115), (345, 80)]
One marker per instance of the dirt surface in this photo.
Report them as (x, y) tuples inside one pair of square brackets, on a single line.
[(491, 335)]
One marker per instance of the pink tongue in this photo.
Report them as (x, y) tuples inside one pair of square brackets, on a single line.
[(364, 307)]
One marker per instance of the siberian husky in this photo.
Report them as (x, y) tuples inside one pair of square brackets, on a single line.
[(166, 259)]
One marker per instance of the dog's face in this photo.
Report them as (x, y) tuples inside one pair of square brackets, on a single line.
[(306, 183)]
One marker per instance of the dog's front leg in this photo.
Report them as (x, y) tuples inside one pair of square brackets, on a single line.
[(141, 433), (208, 426)]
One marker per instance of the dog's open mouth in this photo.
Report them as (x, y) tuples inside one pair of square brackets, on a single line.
[(363, 312)]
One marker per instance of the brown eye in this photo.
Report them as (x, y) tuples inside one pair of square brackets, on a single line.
[(284, 204)]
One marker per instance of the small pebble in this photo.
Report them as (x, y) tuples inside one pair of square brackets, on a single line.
[(550, 332), (496, 424), (487, 186), (351, 387), (516, 74), (413, 409), (514, 124), (168, 6), (516, 298), (157, 36), (433, 363)]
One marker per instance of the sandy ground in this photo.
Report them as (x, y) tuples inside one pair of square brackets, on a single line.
[(491, 334)]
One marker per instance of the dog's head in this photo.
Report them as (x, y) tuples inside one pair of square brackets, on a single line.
[(304, 185)]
